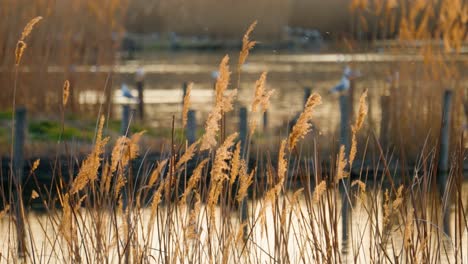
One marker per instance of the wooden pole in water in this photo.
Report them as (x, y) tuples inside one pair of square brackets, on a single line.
[(18, 167), (344, 121), (243, 129), (344, 141), (385, 120), (307, 93), (191, 129), (124, 127), (243, 139), (184, 91), (444, 153), (141, 103), (445, 132), (265, 122)]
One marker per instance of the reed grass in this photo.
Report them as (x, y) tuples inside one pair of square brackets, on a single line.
[(111, 211)]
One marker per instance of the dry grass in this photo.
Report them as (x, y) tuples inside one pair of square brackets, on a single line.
[(111, 211)]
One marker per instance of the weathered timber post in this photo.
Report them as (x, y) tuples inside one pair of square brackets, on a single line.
[(307, 93), (243, 127), (385, 120), (344, 141), (125, 123), (445, 132), (243, 139), (191, 128), (265, 122), (17, 177), (141, 103), (444, 153)]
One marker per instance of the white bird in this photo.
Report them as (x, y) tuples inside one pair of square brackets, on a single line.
[(344, 83), (140, 74), (126, 92), (215, 74)]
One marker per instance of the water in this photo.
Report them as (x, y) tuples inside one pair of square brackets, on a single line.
[(299, 229), (288, 75)]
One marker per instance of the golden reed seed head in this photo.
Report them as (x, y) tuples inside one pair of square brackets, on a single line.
[(189, 152), (302, 126), (222, 105), (5, 210), (155, 175), (320, 189), (363, 109), (245, 180), (29, 27), (247, 45), (235, 164), (340, 165), (21, 44), (35, 165), (66, 92), (20, 48), (261, 99), (222, 81)]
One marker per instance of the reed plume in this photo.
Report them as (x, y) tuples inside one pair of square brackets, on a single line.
[(20, 48), (196, 176), (245, 180), (34, 194), (89, 169), (66, 92), (35, 165), (261, 100), (21, 44), (5, 210), (188, 155), (222, 105), (259, 92), (157, 172), (302, 126), (29, 27), (363, 109), (282, 169), (247, 45), (186, 106), (340, 165), (222, 81), (235, 164), (191, 232), (219, 172), (391, 206), (320, 189)]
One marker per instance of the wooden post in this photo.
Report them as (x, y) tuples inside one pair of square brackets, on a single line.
[(125, 119), (184, 91), (243, 129), (344, 141), (191, 128), (443, 166), (307, 93), (385, 120), (344, 121), (18, 167), (445, 132), (18, 144), (265, 122), (141, 106)]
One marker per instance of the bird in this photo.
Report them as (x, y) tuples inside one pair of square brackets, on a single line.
[(127, 93), (344, 83)]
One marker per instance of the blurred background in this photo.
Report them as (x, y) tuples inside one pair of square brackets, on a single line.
[(407, 54)]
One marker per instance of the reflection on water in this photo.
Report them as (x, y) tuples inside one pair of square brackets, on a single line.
[(296, 226)]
